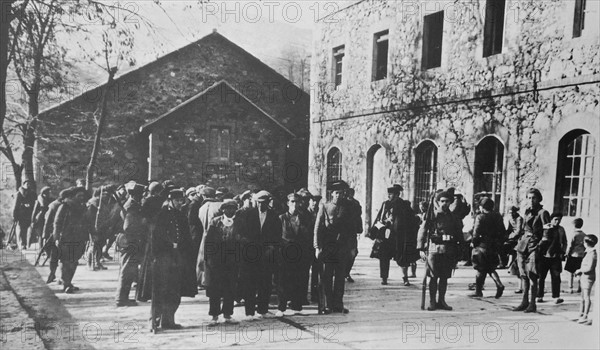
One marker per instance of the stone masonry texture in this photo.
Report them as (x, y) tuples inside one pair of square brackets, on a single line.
[(542, 85)]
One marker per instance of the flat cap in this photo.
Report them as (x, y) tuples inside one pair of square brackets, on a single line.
[(175, 193), (208, 192), (229, 203), (340, 185), (262, 196)]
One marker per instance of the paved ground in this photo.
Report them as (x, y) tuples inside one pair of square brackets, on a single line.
[(380, 316)]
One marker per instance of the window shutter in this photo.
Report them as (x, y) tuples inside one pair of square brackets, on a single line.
[(578, 18)]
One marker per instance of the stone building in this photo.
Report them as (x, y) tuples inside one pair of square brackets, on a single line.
[(490, 96), (208, 113)]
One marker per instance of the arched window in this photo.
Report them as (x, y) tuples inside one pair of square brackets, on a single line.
[(334, 165), (489, 158), (575, 171), (425, 171)]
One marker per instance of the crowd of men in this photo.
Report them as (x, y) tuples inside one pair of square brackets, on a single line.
[(173, 242)]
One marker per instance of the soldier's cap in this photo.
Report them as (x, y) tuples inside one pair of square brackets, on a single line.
[(229, 203), (399, 187), (64, 193), (262, 196), (316, 197), (208, 192), (445, 194), (175, 193), (190, 191), (304, 193), (247, 194), (340, 185), (293, 196)]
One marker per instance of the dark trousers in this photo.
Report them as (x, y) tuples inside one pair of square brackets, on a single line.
[(293, 276), (554, 265), (352, 255), (258, 284), (69, 254), (334, 276), (22, 228), (316, 268), (166, 288), (128, 272), (384, 268), (52, 252), (215, 308)]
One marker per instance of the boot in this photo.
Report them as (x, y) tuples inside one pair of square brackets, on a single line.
[(432, 295), (532, 306), (478, 287), (443, 286)]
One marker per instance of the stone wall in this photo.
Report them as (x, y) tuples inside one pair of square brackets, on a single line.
[(257, 147), (67, 131), (542, 85)]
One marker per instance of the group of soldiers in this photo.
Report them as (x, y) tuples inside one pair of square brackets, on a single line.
[(173, 242)]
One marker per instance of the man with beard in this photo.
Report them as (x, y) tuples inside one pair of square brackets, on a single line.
[(333, 230), (440, 236), (169, 241), (71, 229), (259, 230)]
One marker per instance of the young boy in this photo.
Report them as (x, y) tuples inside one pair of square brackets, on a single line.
[(588, 277), (575, 254)]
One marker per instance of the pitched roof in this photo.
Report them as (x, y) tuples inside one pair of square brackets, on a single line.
[(149, 125), (166, 57)]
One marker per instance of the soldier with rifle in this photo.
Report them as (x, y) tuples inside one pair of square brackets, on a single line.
[(438, 240)]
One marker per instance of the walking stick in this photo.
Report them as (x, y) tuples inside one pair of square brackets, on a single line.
[(428, 218)]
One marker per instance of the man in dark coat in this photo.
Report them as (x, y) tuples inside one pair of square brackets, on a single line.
[(357, 208), (196, 228), (316, 268), (151, 206), (295, 256), (48, 234), (334, 228), (442, 247), (129, 243), (488, 234), (37, 216), (24, 201), (71, 231), (210, 209), (259, 230), (553, 248), (528, 248), (397, 237), (171, 242), (221, 257)]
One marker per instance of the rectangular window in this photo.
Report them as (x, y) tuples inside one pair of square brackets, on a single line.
[(219, 143), (338, 58), (494, 27), (380, 55), (433, 30), (579, 20)]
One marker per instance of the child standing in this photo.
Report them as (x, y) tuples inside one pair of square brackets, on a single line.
[(575, 253), (588, 277)]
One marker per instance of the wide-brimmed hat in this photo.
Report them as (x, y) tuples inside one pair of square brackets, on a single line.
[(208, 192), (340, 185)]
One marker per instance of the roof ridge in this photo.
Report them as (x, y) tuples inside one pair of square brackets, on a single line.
[(205, 91)]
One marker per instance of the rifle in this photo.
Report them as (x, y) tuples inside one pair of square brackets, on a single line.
[(48, 243), (12, 235), (427, 219)]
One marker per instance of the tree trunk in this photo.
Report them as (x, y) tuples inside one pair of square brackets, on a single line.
[(29, 136), (99, 130), (5, 18), (8, 153)]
